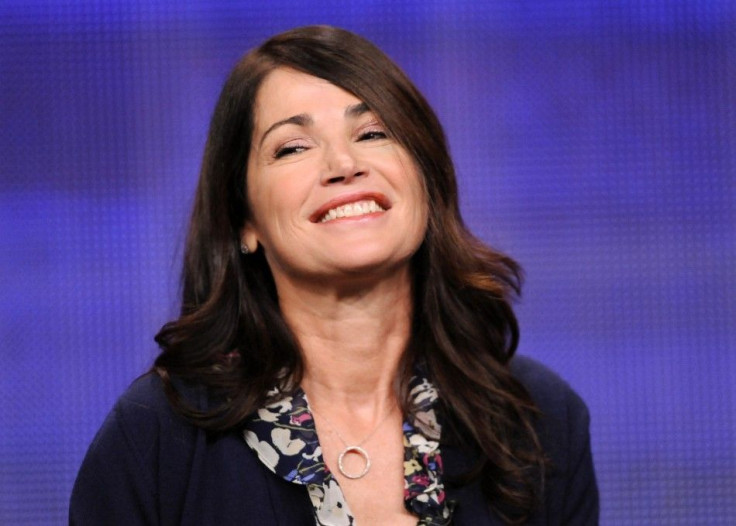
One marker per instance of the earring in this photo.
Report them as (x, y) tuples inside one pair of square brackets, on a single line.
[(244, 249)]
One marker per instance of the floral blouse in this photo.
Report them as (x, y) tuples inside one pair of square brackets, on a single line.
[(284, 437)]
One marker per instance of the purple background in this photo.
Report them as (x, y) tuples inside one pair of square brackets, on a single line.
[(595, 142)]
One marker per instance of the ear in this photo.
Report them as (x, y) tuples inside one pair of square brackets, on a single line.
[(249, 237)]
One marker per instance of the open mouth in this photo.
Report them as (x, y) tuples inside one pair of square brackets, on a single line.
[(358, 208)]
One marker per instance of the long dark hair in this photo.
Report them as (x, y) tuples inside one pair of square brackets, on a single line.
[(232, 338)]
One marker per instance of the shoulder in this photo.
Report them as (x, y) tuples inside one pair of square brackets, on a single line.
[(564, 419), (144, 418), (146, 391), (145, 395), (146, 399), (563, 429), (142, 451), (134, 415), (141, 424), (550, 392), (140, 419), (142, 411)]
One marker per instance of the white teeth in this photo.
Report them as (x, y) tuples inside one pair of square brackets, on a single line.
[(352, 210)]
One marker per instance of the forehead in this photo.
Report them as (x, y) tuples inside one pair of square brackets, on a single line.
[(286, 92)]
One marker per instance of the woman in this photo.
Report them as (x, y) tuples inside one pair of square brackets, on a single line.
[(344, 350)]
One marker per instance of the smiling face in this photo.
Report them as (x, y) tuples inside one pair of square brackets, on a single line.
[(331, 193)]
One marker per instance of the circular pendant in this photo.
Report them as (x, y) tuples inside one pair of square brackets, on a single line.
[(358, 451)]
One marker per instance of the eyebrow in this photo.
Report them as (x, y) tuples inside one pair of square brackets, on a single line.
[(300, 120), (355, 110)]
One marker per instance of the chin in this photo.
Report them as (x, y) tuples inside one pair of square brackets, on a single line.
[(374, 266)]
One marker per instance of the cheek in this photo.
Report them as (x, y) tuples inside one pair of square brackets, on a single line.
[(420, 196), (276, 210), (417, 210), (422, 200), (262, 211), (423, 218)]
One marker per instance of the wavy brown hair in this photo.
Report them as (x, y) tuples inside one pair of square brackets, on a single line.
[(232, 338)]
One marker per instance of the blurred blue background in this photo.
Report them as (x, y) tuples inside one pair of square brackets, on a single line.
[(595, 142)]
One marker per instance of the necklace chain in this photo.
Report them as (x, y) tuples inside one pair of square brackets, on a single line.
[(356, 449)]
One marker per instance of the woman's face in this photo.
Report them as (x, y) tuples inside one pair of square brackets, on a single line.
[(332, 195)]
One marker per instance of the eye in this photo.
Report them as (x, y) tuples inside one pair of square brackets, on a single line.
[(372, 135), (289, 149)]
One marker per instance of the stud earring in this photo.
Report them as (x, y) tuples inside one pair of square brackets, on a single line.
[(244, 249)]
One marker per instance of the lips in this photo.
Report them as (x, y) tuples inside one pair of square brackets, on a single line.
[(350, 206)]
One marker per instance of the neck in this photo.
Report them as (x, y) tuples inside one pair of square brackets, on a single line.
[(352, 343)]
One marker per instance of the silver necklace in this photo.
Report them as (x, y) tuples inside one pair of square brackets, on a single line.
[(356, 449)]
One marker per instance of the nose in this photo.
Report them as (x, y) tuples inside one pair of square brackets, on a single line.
[(341, 165)]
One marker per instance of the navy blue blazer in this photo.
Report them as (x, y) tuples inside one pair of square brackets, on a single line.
[(148, 466)]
